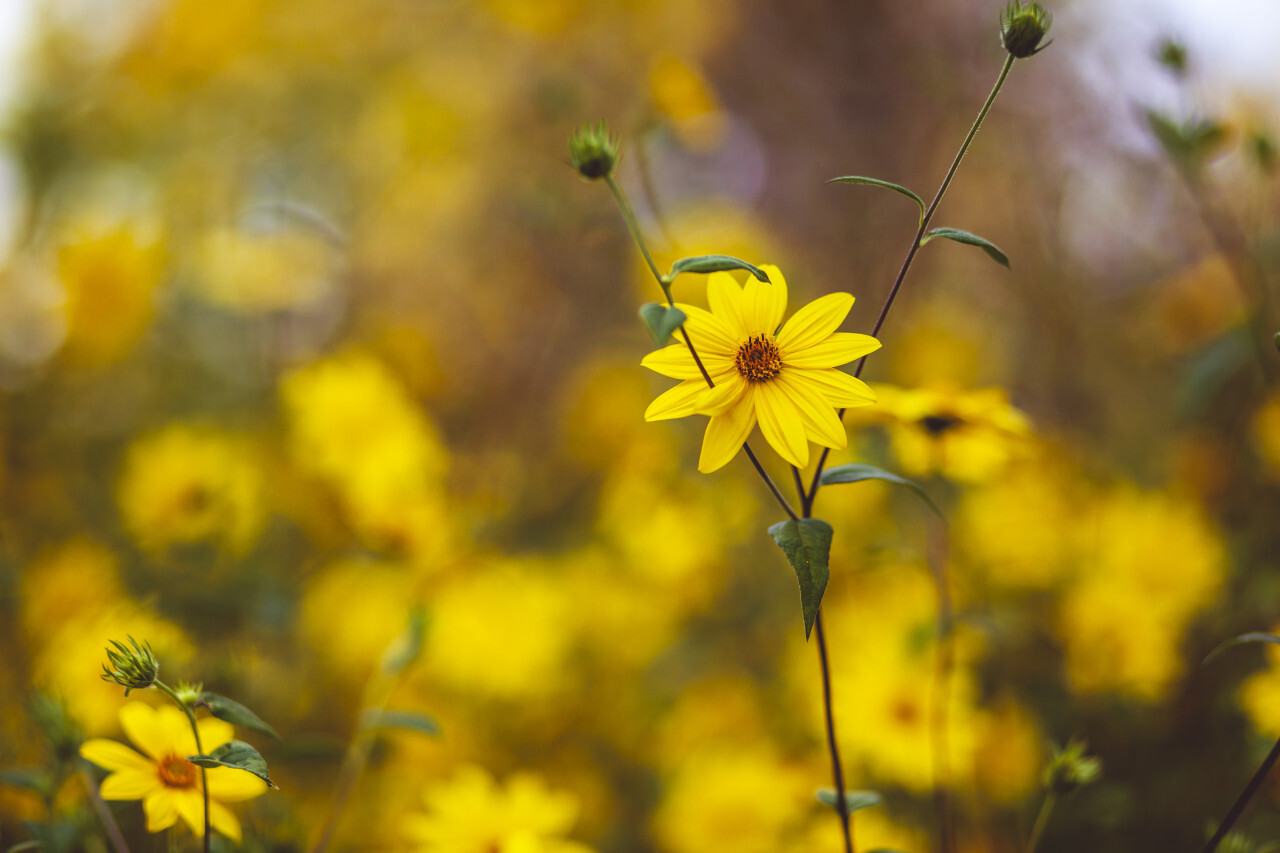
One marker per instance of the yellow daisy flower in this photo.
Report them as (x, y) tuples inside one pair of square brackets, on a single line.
[(783, 378), (168, 784)]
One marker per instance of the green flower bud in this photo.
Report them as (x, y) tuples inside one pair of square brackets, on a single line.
[(189, 694), (132, 669), (59, 727), (1022, 28), (1069, 768), (593, 151), (1172, 55)]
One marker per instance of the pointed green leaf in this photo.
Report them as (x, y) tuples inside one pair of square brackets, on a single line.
[(235, 713), (237, 755), (713, 263), (876, 182), (854, 800), (855, 473), (807, 546), (411, 720), (661, 320), (1253, 637), (34, 844), (30, 778), (970, 240), (408, 646)]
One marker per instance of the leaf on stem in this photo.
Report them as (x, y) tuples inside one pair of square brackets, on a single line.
[(661, 320), (876, 182), (1252, 637), (235, 713), (853, 800), (30, 778), (237, 755), (712, 263), (807, 546), (968, 239), (855, 473), (414, 721)]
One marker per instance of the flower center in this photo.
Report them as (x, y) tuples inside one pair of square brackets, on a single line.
[(177, 772), (758, 360), (938, 424)]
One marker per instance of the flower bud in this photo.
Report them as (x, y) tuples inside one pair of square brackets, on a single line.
[(593, 151), (1022, 28), (1069, 768), (132, 669)]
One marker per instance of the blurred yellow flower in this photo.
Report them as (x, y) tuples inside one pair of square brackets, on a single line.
[(252, 272), (472, 813), (185, 484), (351, 611), (1265, 433), (168, 785), (786, 379), (1259, 694), (966, 436)]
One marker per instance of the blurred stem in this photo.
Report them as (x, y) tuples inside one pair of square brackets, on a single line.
[(103, 812), (1042, 820), (195, 730), (939, 712), (807, 500), (634, 227), (1243, 800), (842, 806)]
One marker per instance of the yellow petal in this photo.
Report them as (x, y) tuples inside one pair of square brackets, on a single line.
[(189, 803), (728, 391), (147, 728), (674, 361), (161, 810), (232, 786), (130, 784), (839, 348), (724, 295), (222, 820), (110, 755), (814, 322), (677, 402), (820, 421), (727, 433), (710, 336), (781, 424), (214, 733), (764, 304), (839, 388)]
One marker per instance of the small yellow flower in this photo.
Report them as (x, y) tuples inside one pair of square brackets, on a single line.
[(786, 379), (168, 784)]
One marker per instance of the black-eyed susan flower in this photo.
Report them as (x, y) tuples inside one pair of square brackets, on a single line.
[(169, 785), (784, 378)]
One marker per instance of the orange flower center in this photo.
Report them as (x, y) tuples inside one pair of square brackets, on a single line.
[(177, 772), (758, 360)]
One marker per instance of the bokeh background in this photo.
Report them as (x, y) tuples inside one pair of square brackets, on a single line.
[(305, 323)]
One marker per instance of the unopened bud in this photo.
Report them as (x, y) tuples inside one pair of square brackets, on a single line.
[(593, 151), (1022, 28), (1069, 768), (132, 668)]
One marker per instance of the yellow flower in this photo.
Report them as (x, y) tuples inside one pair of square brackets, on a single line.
[(472, 814), (784, 378), (169, 785)]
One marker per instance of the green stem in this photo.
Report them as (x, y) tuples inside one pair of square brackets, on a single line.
[(195, 730), (1237, 808), (1042, 820), (842, 806), (808, 499), (633, 226), (104, 813)]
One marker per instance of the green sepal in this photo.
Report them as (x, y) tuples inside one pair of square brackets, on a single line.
[(807, 546), (1252, 637), (237, 755), (406, 648), (876, 182), (712, 263), (412, 720), (855, 473), (968, 239), (853, 800), (29, 778), (661, 320), (234, 713)]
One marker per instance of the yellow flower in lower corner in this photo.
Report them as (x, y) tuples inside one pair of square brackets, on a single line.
[(783, 378), (169, 785)]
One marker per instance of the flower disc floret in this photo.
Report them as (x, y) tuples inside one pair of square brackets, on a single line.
[(784, 379)]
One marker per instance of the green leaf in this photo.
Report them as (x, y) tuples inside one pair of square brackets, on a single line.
[(854, 800), (712, 263), (876, 182), (969, 240), (1253, 637), (411, 720), (26, 845), (237, 755), (807, 546), (235, 713), (661, 320), (30, 778), (1190, 143), (854, 473), (408, 646)]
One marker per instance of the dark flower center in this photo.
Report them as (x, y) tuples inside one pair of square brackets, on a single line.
[(758, 360), (177, 772), (938, 424)]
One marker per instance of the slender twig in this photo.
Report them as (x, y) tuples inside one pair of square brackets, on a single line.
[(1042, 820), (1243, 800), (915, 247), (104, 813), (195, 730), (842, 806)]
